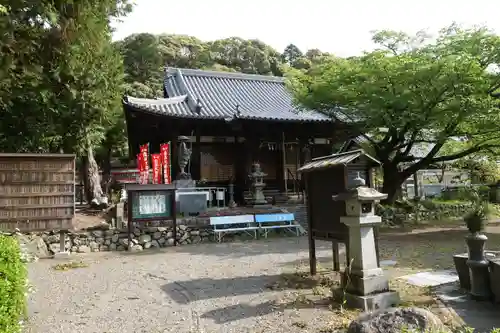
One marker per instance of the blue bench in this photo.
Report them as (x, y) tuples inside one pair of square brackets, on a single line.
[(267, 222), (226, 224)]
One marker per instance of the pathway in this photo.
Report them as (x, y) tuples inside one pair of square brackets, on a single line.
[(188, 289)]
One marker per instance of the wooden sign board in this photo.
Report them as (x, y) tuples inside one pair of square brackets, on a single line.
[(151, 202)]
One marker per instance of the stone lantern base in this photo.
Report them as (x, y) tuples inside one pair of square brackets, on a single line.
[(373, 302)]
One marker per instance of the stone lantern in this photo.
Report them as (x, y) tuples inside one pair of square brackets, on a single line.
[(257, 186), (364, 281)]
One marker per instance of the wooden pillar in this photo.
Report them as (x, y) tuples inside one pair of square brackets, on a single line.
[(174, 152), (280, 162), (312, 241), (285, 171), (301, 162), (196, 157), (239, 164)]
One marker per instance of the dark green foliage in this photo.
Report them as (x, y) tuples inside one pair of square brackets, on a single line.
[(12, 285), (425, 210), (477, 215), (61, 77)]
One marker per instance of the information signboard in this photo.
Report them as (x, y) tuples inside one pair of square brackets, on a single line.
[(151, 204)]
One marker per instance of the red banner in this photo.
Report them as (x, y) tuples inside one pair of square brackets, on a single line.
[(139, 167), (144, 169), (156, 165), (165, 161)]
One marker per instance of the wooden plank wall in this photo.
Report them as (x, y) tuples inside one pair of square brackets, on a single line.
[(37, 192)]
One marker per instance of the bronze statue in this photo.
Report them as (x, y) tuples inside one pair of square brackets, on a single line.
[(183, 157)]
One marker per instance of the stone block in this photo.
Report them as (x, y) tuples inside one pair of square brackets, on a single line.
[(367, 285), (460, 261), (62, 255), (382, 300)]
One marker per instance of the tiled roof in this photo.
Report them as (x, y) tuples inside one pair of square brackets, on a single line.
[(222, 95), (175, 106), (335, 159)]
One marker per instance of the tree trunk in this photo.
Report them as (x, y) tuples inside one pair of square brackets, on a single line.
[(106, 172), (393, 181), (94, 179)]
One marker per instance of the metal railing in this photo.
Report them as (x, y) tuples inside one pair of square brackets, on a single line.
[(216, 196)]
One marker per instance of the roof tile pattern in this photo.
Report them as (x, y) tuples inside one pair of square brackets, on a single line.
[(221, 95)]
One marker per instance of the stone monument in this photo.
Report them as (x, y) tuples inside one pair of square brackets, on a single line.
[(364, 281), (257, 178)]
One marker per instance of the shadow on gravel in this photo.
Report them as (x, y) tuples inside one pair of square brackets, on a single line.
[(184, 292), (239, 311), (239, 249), (254, 247)]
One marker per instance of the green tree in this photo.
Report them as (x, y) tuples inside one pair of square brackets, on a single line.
[(411, 93), (142, 59), (62, 76), (246, 56), (291, 54), (183, 51)]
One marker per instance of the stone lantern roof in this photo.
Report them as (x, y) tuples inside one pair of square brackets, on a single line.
[(360, 192)]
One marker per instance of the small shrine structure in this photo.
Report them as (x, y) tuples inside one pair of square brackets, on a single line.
[(325, 177)]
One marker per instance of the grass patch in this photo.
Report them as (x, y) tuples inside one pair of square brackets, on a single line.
[(13, 285), (442, 201), (324, 291), (70, 265)]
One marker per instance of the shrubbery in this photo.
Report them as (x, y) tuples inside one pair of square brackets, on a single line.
[(13, 285), (424, 210)]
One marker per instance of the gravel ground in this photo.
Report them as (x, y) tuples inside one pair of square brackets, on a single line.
[(202, 288)]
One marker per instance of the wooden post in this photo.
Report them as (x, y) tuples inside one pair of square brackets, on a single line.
[(62, 241), (312, 241), (174, 215), (196, 157), (174, 158), (285, 171), (336, 256), (129, 218)]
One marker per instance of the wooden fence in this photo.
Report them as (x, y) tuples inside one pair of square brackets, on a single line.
[(37, 191)]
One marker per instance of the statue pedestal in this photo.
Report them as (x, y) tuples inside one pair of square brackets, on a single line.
[(184, 183)]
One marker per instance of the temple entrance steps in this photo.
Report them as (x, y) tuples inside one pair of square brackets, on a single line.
[(277, 197)]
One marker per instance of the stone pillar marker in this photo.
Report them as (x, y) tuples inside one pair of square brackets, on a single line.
[(365, 283)]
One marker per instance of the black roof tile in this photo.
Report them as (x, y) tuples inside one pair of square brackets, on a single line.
[(222, 95)]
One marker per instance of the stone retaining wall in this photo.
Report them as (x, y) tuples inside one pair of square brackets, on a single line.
[(154, 235), (426, 211), (189, 231), (117, 240)]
